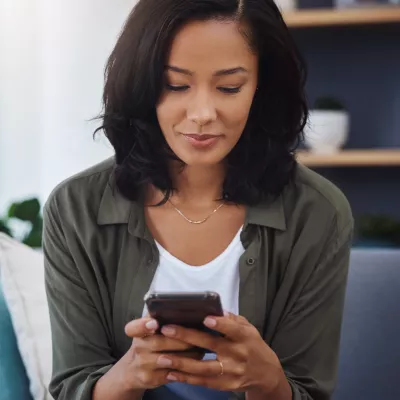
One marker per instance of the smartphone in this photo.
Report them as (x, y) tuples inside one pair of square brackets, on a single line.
[(188, 309)]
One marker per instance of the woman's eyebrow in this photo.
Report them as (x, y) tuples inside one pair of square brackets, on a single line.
[(221, 72), (179, 70), (231, 71)]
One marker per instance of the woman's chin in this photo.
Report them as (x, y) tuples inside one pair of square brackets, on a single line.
[(195, 162), (204, 159)]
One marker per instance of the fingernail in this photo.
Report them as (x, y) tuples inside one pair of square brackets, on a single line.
[(168, 330), (171, 377), (164, 362), (151, 325), (210, 322)]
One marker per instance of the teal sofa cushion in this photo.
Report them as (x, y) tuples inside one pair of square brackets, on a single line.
[(14, 382)]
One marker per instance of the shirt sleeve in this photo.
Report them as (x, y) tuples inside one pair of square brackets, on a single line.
[(307, 340), (81, 347)]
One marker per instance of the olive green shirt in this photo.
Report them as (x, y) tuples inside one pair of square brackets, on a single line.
[(100, 259)]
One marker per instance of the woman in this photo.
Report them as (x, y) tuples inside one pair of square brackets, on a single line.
[(204, 105)]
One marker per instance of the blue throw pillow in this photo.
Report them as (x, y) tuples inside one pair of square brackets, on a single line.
[(14, 382)]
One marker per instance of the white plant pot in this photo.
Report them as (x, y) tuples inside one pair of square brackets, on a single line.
[(326, 131), (286, 5)]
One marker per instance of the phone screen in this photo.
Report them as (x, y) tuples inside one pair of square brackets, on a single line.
[(184, 309)]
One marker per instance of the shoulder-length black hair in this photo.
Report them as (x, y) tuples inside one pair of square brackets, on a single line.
[(262, 162)]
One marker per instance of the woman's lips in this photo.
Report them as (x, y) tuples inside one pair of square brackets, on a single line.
[(201, 141)]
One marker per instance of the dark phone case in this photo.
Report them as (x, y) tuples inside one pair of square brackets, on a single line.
[(184, 309)]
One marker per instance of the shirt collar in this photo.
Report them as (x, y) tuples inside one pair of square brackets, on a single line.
[(269, 213), (116, 209)]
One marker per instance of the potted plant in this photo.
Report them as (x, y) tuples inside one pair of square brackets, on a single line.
[(378, 231), (286, 5), (328, 126), (27, 211)]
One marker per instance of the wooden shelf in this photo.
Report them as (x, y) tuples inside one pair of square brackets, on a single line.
[(351, 158), (332, 17)]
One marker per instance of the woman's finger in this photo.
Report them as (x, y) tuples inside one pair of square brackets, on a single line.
[(194, 367), (141, 327), (149, 373), (153, 361), (160, 343), (231, 326), (192, 337)]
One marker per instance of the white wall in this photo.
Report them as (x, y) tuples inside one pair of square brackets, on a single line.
[(21, 90), (51, 84)]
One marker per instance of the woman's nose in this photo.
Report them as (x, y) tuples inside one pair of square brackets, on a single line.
[(201, 110)]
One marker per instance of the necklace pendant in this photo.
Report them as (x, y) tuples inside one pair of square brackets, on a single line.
[(191, 221), (197, 222)]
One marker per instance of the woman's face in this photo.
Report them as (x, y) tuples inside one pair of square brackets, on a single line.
[(210, 81)]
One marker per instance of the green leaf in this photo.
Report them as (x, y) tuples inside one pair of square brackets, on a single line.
[(37, 225), (34, 239), (27, 210), (11, 210), (4, 228), (328, 104), (381, 227)]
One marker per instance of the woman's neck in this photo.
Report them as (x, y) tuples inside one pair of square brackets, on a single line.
[(199, 185)]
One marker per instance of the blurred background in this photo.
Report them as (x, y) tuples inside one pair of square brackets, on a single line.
[(51, 77), (52, 56), (352, 48)]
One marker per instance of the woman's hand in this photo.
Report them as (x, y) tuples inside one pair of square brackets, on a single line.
[(147, 357), (244, 361)]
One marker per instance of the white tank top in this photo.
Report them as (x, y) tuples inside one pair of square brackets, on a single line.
[(220, 275)]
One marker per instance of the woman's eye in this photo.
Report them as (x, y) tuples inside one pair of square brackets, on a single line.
[(177, 88), (230, 90)]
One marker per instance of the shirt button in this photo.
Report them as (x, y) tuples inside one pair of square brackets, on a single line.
[(251, 261)]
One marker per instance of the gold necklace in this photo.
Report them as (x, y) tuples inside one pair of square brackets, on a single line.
[(190, 220)]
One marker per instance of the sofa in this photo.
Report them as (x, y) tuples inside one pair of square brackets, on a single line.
[(370, 345)]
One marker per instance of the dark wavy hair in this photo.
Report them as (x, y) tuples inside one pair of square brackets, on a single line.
[(262, 163)]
